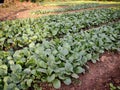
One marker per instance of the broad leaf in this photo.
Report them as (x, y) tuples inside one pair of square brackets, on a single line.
[(56, 83)]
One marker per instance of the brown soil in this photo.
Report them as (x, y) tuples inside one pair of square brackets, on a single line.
[(99, 75)]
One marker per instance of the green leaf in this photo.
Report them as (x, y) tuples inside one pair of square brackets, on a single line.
[(31, 62), (56, 83), (66, 45), (118, 87), (11, 62), (15, 77), (54, 32), (16, 68), (17, 88), (27, 71), (89, 56), (33, 72), (51, 57), (54, 52), (39, 49), (94, 61), (36, 87), (112, 87), (29, 81), (64, 51), (10, 86), (49, 71), (42, 64), (41, 70), (32, 45), (51, 78), (0, 62), (100, 42), (79, 70), (67, 81), (3, 69), (68, 66), (75, 75), (6, 79)]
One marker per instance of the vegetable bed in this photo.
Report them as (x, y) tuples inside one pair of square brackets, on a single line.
[(33, 50)]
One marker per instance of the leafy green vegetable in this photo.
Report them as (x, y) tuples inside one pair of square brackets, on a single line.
[(56, 83), (67, 81)]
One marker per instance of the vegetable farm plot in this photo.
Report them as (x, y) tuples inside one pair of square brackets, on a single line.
[(55, 49)]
